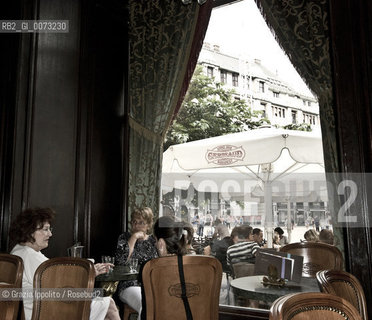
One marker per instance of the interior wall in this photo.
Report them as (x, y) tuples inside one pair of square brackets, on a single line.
[(65, 124)]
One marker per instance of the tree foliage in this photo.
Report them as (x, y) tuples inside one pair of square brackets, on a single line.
[(298, 126), (209, 109)]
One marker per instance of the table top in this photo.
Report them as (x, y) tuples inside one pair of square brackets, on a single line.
[(252, 288), (119, 273)]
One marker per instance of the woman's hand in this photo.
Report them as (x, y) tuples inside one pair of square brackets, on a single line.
[(101, 268), (139, 235)]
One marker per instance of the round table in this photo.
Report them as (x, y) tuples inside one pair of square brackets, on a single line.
[(117, 274), (109, 281), (252, 288)]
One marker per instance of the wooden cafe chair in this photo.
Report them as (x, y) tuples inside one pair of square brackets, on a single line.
[(128, 311), (317, 256), (312, 306), (163, 289), (11, 272), (242, 269), (63, 273), (344, 285)]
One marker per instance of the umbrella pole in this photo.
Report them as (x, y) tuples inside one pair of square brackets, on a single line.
[(269, 219), (289, 219)]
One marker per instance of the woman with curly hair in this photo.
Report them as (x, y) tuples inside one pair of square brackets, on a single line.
[(31, 230)]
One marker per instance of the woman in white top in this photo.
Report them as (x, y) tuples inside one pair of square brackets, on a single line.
[(31, 231)]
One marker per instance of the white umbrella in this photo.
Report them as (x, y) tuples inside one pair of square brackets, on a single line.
[(265, 162)]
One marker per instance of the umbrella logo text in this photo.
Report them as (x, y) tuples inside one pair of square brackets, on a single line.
[(225, 155)]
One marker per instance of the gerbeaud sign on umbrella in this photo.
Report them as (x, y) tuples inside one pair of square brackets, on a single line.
[(259, 165)]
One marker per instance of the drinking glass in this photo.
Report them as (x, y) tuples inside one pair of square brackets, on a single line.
[(108, 259), (133, 264)]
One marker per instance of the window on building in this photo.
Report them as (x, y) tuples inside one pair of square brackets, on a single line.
[(308, 118), (309, 103), (235, 81), (263, 108), (276, 94), (278, 112), (304, 101), (294, 117), (210, 72), (262, 86), (223, 76)]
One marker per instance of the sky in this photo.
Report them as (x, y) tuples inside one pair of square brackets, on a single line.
[(240, 30)]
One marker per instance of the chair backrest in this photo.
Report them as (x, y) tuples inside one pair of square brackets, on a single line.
[(11, 272), (162, 287), (312, 306), (243, 269), (11, 267), (344, 285), (63, 274), (317, 256)]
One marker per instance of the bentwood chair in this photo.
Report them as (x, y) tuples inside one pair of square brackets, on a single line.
[(63, 274), (344, 285), (163, 289), (312, 306), (11, 272), (242, 269), (317, 256)]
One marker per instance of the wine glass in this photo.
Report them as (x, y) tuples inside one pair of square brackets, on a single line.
[(133, 264), (108, 259)]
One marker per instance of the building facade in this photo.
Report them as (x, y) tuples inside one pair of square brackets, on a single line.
[(262, 88)]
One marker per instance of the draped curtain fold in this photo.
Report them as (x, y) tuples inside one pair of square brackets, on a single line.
[(165, 38), (301, 28)]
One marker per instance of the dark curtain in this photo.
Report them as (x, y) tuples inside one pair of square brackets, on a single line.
[(301, 28), (165, 40)]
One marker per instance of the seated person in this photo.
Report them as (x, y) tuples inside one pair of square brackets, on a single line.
[(326, 236), (218, 248), (258, 237), (31, 230), (245, 249), (171, 237), (276, 242), (220, 230), (283, 240), (190, 236), (137, 244), (311, 235)]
